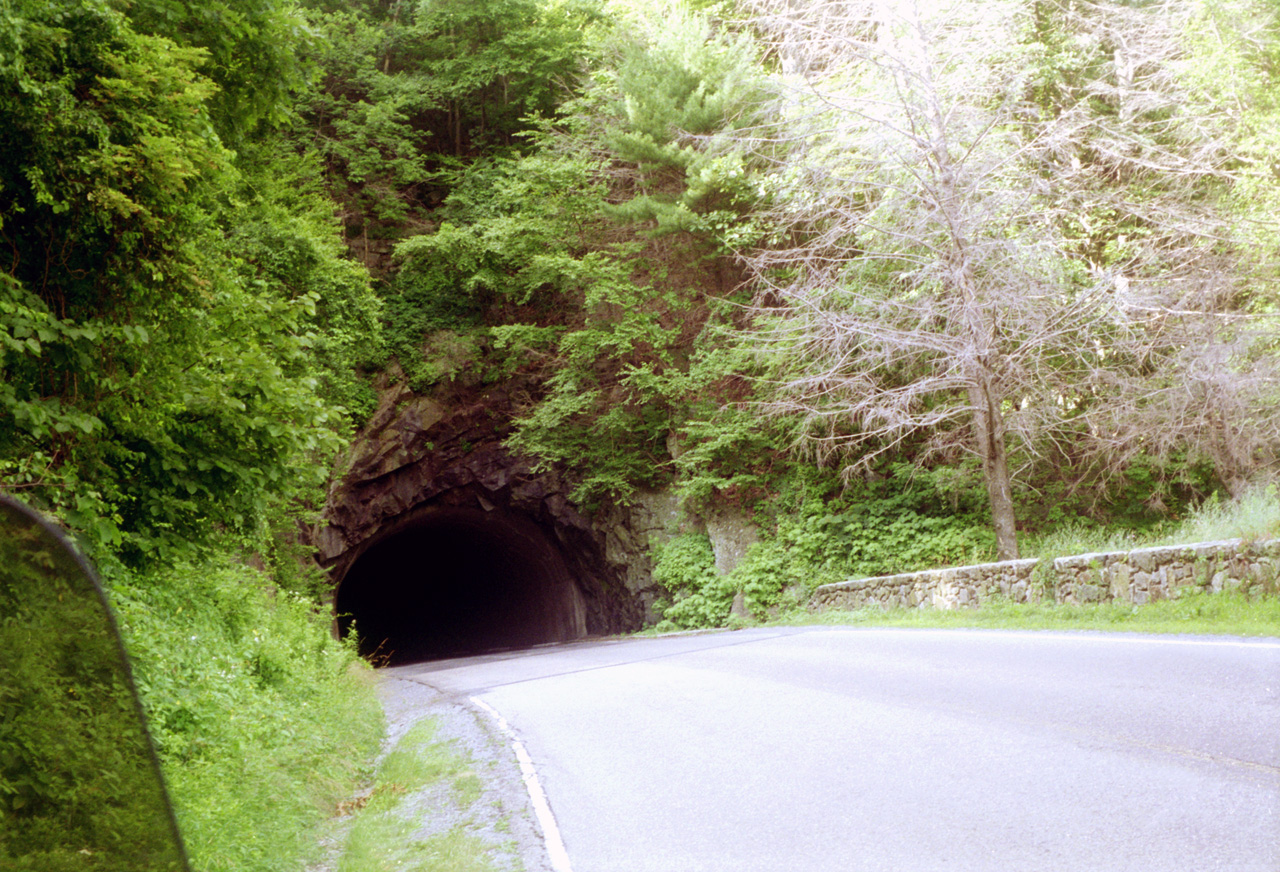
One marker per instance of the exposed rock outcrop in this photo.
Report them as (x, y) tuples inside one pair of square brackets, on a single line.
[(731, 532), (421, 452)]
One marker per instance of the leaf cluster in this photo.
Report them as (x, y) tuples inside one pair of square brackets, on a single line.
[(900, 524), (165, 303), (409, 90), (262, 719), (593, 260)]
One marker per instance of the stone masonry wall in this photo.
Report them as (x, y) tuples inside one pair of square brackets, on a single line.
[(1138, 577)]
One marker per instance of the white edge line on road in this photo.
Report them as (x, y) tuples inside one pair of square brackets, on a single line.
[(550, 830), (1077, 636)]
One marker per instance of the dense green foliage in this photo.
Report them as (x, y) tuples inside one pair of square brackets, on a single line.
[(410, 90), (592, 261), (182, 338), (810, 537), (167, 304), (263, 720)]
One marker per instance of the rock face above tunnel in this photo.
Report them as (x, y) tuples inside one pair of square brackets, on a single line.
[(417, 459)]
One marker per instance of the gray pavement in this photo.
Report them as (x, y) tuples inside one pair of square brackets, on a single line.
[(868, 749)]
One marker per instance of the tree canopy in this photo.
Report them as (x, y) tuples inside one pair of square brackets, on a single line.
[(1001, 228), (1027, 248), (160, 352)]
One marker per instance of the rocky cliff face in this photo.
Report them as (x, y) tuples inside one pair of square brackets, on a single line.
[(420, 455)]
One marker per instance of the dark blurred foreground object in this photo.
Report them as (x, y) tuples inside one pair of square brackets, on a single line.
[(80, 785)]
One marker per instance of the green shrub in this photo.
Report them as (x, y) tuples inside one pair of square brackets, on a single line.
[(827, 542), (263, 721), (1254, 516), (822, 542), (686, 568), (1079, 537)]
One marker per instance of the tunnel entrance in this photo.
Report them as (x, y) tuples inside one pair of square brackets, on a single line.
[(450, 582)]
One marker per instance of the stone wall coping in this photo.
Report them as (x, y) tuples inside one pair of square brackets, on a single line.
[(905, 577), (1197, 548)]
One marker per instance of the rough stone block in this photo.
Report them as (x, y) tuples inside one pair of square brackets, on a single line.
[(1160, 581), (731, 532), (1215, 549), (1122, 583), (1088, 593)]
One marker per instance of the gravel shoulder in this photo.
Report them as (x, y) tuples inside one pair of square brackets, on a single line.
[(501, 817)]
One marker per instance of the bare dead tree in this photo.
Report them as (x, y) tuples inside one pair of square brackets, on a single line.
[(928, 271), (1197, 370)]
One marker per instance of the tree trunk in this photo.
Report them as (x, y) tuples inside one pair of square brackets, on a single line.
[(1226, 458), (988, 421), (455, 112), (988, 431)]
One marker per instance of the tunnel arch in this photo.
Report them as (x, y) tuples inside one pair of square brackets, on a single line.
[(429, 491), (448, 581)]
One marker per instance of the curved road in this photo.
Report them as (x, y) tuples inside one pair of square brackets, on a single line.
[(798, 750)]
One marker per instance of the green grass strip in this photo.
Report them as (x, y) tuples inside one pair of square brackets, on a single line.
[(1228, 614), (383, 839)]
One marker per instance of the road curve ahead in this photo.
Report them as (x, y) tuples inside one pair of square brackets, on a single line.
[(799, 750)]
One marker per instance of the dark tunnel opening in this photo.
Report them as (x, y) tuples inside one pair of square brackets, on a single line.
[(457, 582)]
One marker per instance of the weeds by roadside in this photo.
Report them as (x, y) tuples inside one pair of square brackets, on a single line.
[(424, 814), (1254, 516), (1228, 614), (263, 721)]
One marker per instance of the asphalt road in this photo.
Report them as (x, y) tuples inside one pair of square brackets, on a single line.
[(800, 750)]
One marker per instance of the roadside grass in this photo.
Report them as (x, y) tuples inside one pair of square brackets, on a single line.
[(1227, 614), (387, 833), (263, 721), (1255, 516)]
